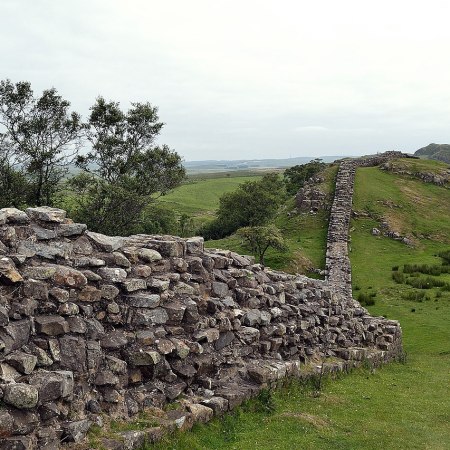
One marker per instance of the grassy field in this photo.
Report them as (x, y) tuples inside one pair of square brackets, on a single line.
[(305, 235), (199, 196), (400, 406)]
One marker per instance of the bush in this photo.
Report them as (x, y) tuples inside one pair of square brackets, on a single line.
[(366, 299), (425, 283), (416, 296), (398, 277)]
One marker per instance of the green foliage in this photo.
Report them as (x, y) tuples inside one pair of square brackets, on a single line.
[(42, 134), (398, 277), (253, 203), (258, 240), (123, 172), (427, 269), (296, 176), (366, 299)]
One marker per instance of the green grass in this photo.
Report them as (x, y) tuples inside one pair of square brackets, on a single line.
[(399, 406), (200, 196), (305, 235)]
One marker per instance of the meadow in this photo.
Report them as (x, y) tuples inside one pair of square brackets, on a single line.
[(399, 406)]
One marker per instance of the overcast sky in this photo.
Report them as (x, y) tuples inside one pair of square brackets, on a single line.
[(249, 78)]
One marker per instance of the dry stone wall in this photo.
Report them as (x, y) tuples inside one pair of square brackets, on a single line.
[(93, 326), (337, 266)]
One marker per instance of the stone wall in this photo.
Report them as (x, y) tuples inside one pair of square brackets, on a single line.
[(337, 265), (93, 326)]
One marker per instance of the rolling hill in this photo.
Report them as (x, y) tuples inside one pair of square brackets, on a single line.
[(439, 152)]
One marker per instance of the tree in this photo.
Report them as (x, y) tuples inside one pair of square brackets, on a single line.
[(42, 134), (123, 172), (295, 177), (253, 203), (259, 239)]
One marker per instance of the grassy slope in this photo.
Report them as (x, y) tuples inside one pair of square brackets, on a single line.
[(401, 406), (200, 196), (305, 235)]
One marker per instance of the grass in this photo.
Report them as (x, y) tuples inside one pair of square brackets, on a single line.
[(305, 235), (199, 197), (400, 406)]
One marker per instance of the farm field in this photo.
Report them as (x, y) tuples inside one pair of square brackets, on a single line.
[(402, 405)]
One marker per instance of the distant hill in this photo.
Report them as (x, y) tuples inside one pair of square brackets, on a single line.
[(439, 152), (244, 164)]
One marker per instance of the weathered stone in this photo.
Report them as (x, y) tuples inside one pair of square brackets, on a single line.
[(43, 234), (149, 255), (90, 294), (35, 289), (109, 292), (8, 374), (20, 395), (116, 365), (70, 229), (51, 325), (143, 300), (66, 276), (144, 358), (143, 316), (53, 385), (201, 413), (115, 275), (21, 361), (68, 309), (209, 335), (114, 340), (165, 346), (87, 261), (4, 318), (194, 245), (134, 284), (175, 312), (76, 431), (225, 339), (46, 214), (13, 215), (73, 353), (252, 317), (105, 243), (183, 288), (8, 272)]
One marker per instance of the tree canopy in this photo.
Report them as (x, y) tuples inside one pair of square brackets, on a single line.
[(252, 203), (296, 176), (39, 133)]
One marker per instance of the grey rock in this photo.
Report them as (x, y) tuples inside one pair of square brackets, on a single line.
[(46, 214), (149, 255), (115, 275), (21, 361), (51, 325), (143, 300), (20, 395), (106, 243)]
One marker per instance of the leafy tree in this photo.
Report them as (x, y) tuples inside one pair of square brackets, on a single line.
[(296, 176), (42, 135), (253, 203), (123, 172), (259, 239)]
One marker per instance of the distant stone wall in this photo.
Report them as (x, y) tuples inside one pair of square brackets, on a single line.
[(337, 265), (95, 327)]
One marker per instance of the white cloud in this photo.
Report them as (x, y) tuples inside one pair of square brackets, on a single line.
[(247, 78)]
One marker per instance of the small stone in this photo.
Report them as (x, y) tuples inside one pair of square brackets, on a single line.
[(76, 431), (144, 358), (35, 289), (51, 325), (66, 276), (113, 308), (68, 309), (165, 346), (89, 294), (20, 395), (13, 215), (106, 243), (201, 413), (134, 284), (8, 272), (149, 255), (143, 300), (115, 275), (70, 229), (109, 291), (21, 361), (46, 214)]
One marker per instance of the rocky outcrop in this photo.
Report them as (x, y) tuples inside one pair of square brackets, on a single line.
[(93, 326)]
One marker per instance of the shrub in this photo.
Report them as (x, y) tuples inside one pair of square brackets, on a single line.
[(366, 299), (425, 283), (398, 277)]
